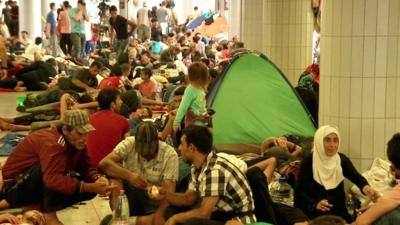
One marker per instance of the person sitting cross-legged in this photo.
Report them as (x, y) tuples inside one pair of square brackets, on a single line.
[(50, 169), (140, 162)]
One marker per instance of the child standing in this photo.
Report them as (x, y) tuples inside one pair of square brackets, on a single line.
[(193, 105)]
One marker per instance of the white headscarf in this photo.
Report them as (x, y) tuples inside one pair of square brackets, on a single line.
[(327, 170)]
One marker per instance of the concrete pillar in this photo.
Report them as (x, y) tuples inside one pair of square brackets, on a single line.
[(30, 19), (360, 74), (281, 29), (45, 9)]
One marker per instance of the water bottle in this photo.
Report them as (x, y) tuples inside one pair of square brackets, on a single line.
[(282, 192), (121, 212), (350, 206)]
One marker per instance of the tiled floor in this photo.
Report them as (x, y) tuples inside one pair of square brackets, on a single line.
[(92, 211)]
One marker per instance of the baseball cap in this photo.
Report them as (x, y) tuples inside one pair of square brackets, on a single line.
[(146, 138), (79, 120)]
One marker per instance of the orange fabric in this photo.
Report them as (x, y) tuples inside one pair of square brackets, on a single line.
[(220, 25)]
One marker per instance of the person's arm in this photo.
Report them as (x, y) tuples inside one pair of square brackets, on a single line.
[(111, 164), (88, 105), (82, 85), (148, 101), (78, 15), (111, 31), (268, 143), (9, 218), (53, 163), (377, 210), (170, 176), (204, 211), (131, 23), (64, 104), (169, 186), (303, 198), (294, 149), (77, 78), (182, 199), (187, 100), (351, 173)]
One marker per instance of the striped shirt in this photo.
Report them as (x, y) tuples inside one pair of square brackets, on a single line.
[(219, 177), (163, 167)]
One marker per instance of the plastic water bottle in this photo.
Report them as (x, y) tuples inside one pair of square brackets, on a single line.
[(282, 192), (350, 206), (121, 212)]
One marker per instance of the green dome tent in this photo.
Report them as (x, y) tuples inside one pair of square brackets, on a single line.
[(254, 100)]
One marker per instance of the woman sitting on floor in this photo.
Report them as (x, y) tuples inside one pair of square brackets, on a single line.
[(320, 185)]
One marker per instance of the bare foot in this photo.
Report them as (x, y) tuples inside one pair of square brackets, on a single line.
[(20, 89)]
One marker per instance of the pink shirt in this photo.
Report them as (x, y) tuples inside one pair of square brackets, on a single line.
[(64, 23), (148, 89)]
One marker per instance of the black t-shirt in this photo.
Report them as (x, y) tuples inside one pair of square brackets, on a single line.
[(155, 34), (81, 74), (120, 25)]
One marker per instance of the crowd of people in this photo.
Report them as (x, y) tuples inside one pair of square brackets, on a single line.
[(131, 114)]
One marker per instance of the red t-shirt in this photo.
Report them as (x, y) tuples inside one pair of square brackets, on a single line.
[(147, 89), (111, 82), (110, 130)]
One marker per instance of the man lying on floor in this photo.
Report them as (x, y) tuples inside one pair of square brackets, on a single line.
[(50, 170)]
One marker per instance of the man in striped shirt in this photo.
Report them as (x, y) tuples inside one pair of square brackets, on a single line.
[(224, 191)]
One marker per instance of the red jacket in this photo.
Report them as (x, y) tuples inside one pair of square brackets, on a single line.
[(56, 157)]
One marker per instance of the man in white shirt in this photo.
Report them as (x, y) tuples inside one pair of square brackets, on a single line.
[(142, 162), (34, 49), (25, 39)]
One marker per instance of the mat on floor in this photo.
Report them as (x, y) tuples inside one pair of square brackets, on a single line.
[(9, 142)]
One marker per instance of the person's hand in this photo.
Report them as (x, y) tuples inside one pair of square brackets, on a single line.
[(90, 89), (281, 143), (99, 188), (9, 218), (137, 181), (362, 210), (33, 217), (171, 221), (324, 206), (371, 193), (158, 218), (103, 180)]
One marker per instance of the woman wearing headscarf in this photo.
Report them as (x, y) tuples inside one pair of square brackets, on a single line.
[(320, 185)]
